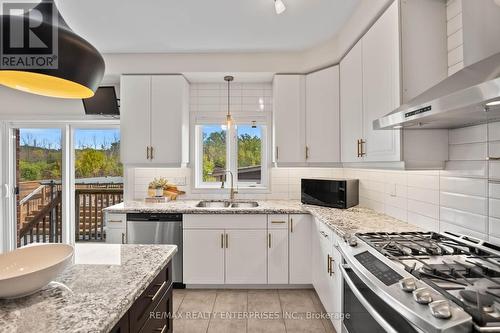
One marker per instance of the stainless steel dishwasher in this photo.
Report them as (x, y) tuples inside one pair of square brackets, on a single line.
[(148, 228)]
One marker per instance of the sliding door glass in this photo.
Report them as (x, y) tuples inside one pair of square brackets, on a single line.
[(98, 179), (38, 180)]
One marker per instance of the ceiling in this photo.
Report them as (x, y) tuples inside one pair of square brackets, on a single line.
[(195, 26)]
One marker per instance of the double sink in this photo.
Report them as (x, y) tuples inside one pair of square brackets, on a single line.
[(227, 204)]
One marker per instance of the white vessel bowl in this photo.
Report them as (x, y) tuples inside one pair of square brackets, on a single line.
[(29, 269)]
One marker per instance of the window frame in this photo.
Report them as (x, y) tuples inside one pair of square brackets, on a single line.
[(239, 118)]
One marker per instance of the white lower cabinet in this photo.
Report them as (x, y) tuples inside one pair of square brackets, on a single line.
[(246, 257), (116, 228), (326, 275), (300, 249), (277, 256), (203, 256)]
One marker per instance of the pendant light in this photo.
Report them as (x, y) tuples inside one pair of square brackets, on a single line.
[(229, 118), (79, 69)]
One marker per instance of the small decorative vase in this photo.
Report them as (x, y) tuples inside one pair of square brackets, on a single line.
[(159, 191)]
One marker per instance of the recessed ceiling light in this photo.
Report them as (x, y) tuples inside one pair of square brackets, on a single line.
[(279, 6), (398, 126), (493, 103)]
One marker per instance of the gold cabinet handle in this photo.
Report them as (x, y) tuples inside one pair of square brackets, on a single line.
[(123, 238), (332, 261), (358, 144), (158, 292), (221, 241), (152, 156), (278, 222), (269, 236), (291, 224), (493, 158), (277, 153), (362, 150), (328, 263), (307, 152), (227, 241), (147, 152), (115, 221)]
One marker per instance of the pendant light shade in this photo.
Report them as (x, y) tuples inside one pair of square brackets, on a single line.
[(229, 117), (78, 67)]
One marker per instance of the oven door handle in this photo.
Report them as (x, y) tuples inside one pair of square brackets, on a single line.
[(371, 310)]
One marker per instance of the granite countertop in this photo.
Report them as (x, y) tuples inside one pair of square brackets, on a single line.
[(91, 295), (348, 221)]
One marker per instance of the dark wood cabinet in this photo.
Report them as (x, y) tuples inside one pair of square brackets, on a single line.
[(152, 311)]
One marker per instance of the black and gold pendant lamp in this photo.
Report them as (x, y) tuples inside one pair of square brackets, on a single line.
[(47, 58)]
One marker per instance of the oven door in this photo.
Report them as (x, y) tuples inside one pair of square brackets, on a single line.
[(365, 312)]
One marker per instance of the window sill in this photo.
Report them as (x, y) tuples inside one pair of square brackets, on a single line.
[(241, 190)]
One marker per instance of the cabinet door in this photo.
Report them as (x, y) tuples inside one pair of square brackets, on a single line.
[(277, 256), (246, 257), (323, 116), (135, 120), (169, 119), (300, 249), (318, 264), (289, 119), (116, 236), (336, 287), (203, 256), (381, 85), (351, 103)]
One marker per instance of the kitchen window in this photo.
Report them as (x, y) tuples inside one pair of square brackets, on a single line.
[(240, 148)]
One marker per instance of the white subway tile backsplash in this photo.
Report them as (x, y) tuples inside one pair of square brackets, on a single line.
[(494, 149), (494, 227), (469, 186), (424, 222), (494, 192), (471, 221), (494, 131), (430, 182), (424, 208), (471, 204), (469, 152), (454, 24), (495, 208), (422, 194), (494, 170), (466, 169), (471, 134), (444, 226)]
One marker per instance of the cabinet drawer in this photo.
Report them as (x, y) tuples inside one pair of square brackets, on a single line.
[(277, 221), (150, 298), (159, 321), (116, 221), (228, 221)]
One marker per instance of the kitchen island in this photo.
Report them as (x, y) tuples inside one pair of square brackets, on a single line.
[(98, 293)]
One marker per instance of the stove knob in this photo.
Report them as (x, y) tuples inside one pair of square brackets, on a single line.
[(408, 284), (440, 309), (422, 296), (351, 240)]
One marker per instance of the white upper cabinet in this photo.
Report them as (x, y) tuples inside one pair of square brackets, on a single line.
[(381, 85), (322, 116), (351, 104), (135, 118), (289, 119), (154, 120), (396, 60)]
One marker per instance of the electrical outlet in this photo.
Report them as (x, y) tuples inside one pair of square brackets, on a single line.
[(179, 181)]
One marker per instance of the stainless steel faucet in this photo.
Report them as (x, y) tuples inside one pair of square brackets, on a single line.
[(232, 193)]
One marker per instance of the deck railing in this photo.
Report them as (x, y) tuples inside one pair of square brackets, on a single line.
[(89, 204), (41, 213)]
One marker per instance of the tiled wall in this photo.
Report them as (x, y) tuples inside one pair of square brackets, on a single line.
[(455, 36), (212, 97)]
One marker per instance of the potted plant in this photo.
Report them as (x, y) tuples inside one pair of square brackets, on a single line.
[(159, 185)]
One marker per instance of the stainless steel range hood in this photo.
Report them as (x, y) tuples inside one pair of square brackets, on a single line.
[(457, 101)]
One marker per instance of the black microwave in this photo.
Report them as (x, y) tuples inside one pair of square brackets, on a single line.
[(334, 193)]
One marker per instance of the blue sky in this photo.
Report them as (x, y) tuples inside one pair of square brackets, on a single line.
[(83, 137)]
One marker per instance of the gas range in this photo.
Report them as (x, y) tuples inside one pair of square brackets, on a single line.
[(444, 282)]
